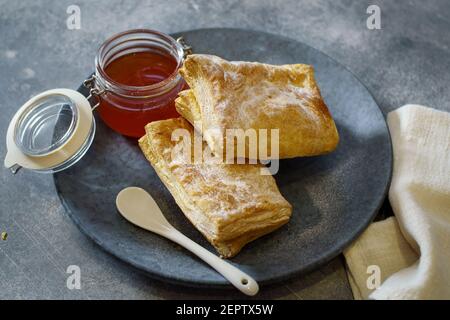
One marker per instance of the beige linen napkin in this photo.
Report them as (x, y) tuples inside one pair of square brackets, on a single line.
[(412, 249)]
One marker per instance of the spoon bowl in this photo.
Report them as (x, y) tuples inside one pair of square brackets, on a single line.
[(138, 207)]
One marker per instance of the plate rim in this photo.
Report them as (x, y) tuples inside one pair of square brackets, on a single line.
[(322, 260)]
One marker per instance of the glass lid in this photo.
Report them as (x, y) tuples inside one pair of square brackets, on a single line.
[(46, 125), (49, 130)]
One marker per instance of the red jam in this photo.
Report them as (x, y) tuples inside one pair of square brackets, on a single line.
[(134, 72), (141, 69)]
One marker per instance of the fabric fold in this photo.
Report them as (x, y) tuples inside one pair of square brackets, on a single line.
[(420, 198)]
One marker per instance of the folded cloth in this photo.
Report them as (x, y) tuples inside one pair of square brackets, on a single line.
[(382, 245), (420, 198)]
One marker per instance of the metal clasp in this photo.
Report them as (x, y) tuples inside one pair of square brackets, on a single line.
[(187, 49), (94, 91), (15, 168)]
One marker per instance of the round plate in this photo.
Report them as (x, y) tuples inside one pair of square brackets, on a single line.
[(334, 196)]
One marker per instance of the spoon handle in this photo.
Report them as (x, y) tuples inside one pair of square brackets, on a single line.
[(238, 278)]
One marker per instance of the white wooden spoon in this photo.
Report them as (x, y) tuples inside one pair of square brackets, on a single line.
[(138, 207)]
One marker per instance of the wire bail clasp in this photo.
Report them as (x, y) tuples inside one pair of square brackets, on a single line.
[(187, 49), (94, 91)]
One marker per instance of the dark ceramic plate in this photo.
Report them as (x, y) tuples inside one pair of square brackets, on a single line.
[(334, 197)]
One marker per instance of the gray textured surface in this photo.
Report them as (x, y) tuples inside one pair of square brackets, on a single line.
[(405, 62)]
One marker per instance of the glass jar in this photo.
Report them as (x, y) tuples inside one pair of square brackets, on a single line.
[(128, 108), (53, 130)]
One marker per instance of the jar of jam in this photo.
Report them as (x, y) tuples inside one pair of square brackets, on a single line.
[(135, 82), (136, 73)]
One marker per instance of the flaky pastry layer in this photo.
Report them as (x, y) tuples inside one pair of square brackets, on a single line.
[(250, 95), (230, 204)]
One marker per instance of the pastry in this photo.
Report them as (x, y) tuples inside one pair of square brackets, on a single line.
[(187, 106), (248, 95), (230, 204)]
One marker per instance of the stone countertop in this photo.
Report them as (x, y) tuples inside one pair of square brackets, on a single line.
[(406, 61)]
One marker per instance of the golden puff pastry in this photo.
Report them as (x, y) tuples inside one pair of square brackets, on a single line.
[(187, 106), (249, 95), (230, 204)]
